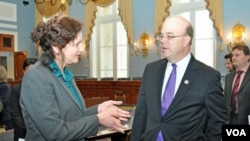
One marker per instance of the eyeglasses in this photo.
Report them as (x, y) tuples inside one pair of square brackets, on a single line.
[(169, 37)]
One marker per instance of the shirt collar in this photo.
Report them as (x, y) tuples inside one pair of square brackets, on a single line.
[(66, 75), (183, 63), (244, 69)]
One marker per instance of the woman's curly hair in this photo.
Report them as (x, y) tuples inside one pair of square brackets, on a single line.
[(58, 31)]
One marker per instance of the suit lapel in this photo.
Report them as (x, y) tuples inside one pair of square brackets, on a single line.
[(69, 92), (245, 79), (47, 71), (161, 72), (231, 80), (78, 92)]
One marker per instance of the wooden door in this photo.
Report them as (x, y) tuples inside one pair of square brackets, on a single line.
[(19, 58)]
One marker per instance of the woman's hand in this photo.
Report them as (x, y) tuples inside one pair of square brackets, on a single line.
[(110, 115), (110, 103)]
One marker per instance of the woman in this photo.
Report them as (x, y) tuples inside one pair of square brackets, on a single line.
[(52, 105)]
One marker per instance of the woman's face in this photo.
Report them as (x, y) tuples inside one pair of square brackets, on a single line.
[(72, 51)]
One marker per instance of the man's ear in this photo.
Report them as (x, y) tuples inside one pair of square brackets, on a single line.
[(248, 57), (187, 41)]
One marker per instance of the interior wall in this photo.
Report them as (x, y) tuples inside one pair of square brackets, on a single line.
[(143, 20)]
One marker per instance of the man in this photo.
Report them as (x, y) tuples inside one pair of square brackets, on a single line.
[(229, 63), (237, 94), (14, 106), (198, 109)]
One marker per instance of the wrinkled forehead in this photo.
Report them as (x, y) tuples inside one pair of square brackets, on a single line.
[(174, 25)]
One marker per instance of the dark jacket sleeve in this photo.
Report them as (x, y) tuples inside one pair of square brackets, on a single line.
[(14, 107)]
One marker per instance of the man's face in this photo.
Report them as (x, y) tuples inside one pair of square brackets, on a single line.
[(174, 43), (239, 59)]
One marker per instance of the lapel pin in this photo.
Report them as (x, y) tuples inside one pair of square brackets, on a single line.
[(186, 82)]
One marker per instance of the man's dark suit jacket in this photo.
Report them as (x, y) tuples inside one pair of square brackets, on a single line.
[(196, 114), (243, 96)]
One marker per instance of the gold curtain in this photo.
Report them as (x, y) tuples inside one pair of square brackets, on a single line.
[(215, 11), (125, 11), (161, 11), (48, 8), (90, 16), (104, 3)]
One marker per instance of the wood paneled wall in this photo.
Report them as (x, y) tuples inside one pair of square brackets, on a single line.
[(109, 88), (92, 88)]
